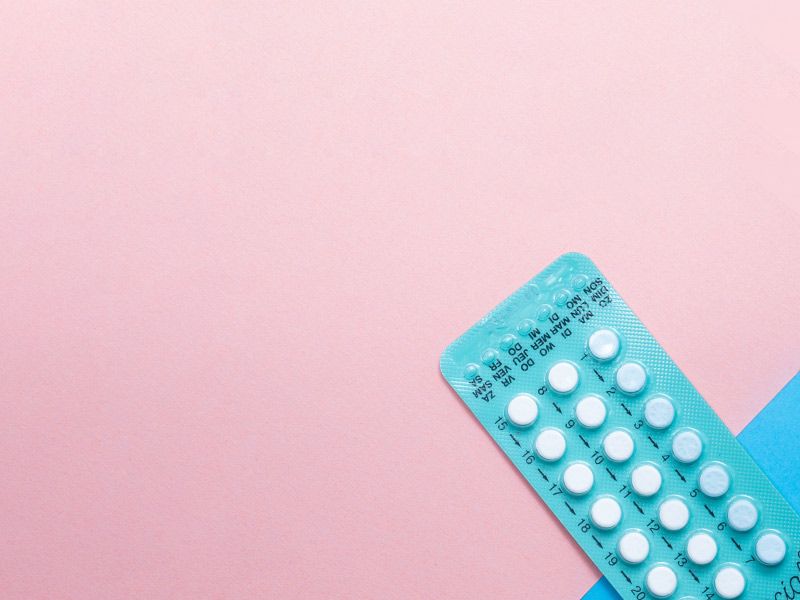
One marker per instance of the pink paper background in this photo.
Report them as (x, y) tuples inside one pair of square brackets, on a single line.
[(236, 237)]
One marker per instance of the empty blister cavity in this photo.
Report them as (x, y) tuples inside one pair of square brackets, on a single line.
[(563, 377), (742, 514), (525, 326), (471, 371), (673, 514), (489, 356), (579, 281), (687, 446), (550, 445), (659, 412), (661, 581), (729, 583), (544, 311), (562, 296), (701, 548), (633, 547), (605, 513), (507, 341), (618, 445), (714, 480), (591, 412), (770, 548), (604, 344), (631, 377), (646, 480), (578, 478), (522, 410)]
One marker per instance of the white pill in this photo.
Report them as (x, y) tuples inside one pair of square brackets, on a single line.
[(659, 412), (729, 583), (578, 478), (563, 377), (631, 378), (633, 547), (591, 412), (701, 548), (770, 549), (714, 481), (551, 444), (687, 446), (646, 480), (673, 514), (606, 513), (522, 410), (618, 445), (661, 581), (604, 344), (742, 515)]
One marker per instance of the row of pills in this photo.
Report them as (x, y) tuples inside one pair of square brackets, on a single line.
[(646, 479), (604, 344), (713, 481), (659, 413), (564, 377), (618, 446), (673, 513), (662, 581), (701, 548), (591, 412)]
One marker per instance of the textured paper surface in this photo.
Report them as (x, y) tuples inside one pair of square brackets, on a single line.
[(236, 237)]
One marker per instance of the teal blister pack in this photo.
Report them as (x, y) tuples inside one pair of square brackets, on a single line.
[(621, 447)]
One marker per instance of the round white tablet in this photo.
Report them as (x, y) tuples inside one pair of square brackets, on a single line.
[(606, 513), (673, 514), (742, 515), (618, 445), (550, 444), (714, 480), (578, 478), (729, 583), (687, 446), (770, 549), (646, 480), (661, 581), (631, 378), (563, 377), (522, 410), (604, 344), (659, 412), (591, 412), (633, 547), (701, 548)]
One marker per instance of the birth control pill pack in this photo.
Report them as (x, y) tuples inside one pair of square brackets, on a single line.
[(622, 448)]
